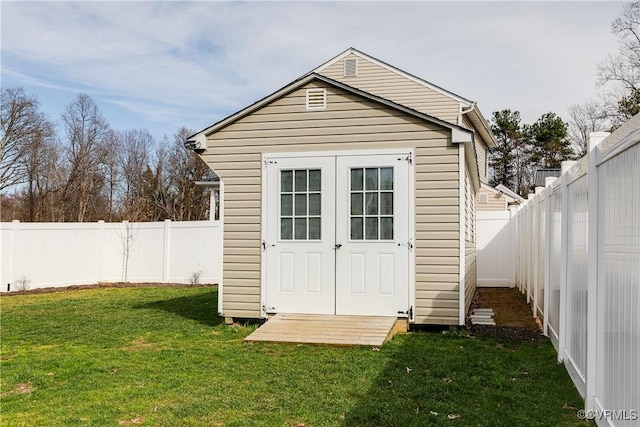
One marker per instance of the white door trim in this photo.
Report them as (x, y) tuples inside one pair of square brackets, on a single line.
[(268, 156)]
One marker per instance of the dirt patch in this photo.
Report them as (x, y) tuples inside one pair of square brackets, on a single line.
[(509, 304), (106, 285), (132, 421), (20, 388), (513, 316), (139, 344), (23, 388)]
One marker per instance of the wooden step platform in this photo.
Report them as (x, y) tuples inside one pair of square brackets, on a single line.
[(328, 329)]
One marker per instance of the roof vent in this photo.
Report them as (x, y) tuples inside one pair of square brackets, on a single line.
[(350, 67), (316, 99)]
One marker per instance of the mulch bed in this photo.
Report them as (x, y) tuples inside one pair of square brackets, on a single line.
[(513, 316), (106, 285)]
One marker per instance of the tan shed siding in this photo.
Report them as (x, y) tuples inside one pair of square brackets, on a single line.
[(470, 274), (482, 153), (470, 209), (467, 191), (348, 123), (495, 202), (387, 84), (470, 241)]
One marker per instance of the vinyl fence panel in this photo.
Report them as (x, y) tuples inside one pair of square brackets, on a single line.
[(61, 254), (577, 270), (618, 336), (495, 247), (554, 257)]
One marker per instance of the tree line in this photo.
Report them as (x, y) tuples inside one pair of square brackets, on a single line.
[(522, 148), (81, 169), (88, 171)]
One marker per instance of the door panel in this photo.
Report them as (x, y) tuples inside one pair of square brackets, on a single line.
[(300, 226), (372, 232)]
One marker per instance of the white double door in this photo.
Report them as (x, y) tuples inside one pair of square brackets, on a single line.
[(336, 234)]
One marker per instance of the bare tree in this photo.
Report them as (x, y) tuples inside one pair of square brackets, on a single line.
[(87, 133), (22, 126), (93, 172), (584, 119), (135, 147), (42, 165), (111, 171), (184, 201), (620, 73)]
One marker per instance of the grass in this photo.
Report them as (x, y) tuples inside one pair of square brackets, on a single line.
[(162, 357)]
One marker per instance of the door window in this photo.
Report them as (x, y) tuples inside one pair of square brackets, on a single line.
[(300, 205), (371, 204)]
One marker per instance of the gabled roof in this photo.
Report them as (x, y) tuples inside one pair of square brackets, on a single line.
[(508, 192), (458, 133), (396, 70), (475, 116)]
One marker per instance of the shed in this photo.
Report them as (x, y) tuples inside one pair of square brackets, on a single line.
[(497, 198), (350, 191), (541, 175)]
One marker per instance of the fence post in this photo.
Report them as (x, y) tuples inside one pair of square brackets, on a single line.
[(14, 256), (165, 251), (99, 255)]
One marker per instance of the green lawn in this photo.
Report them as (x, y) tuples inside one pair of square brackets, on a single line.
[(162, 357)]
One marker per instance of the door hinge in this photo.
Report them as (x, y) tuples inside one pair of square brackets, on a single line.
[(408, 313), (268, 162), (265, 245), (268, 310), (409, 158), (409, 244)]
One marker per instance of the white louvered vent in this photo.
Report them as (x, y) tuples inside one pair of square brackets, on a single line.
[(316, 99), (484, 198), (350, 67)]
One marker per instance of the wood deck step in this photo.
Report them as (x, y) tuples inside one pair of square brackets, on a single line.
[(327, 329)]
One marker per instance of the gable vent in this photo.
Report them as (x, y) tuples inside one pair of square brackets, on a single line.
[(350, 67), (316, 99), (484, 198)]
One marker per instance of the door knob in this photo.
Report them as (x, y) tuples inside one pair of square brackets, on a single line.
[(338, 245)]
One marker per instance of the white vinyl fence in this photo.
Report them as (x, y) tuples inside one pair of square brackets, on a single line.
[(62, 254), (495, 246), (578, 262)]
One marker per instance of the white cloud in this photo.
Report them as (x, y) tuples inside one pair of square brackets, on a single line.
[(169, 61)]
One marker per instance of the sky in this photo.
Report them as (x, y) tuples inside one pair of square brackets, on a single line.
[(160, 65)]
